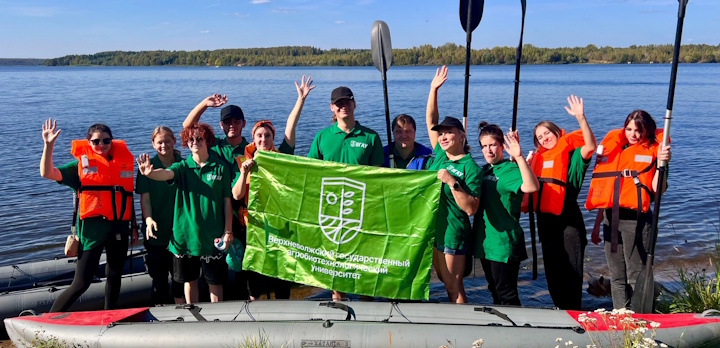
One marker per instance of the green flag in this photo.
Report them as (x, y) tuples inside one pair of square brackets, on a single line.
[(355, 229)]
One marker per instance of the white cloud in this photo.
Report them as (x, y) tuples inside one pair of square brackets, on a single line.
[(339, 22), (240, 15), (258, 2), (204, 31)]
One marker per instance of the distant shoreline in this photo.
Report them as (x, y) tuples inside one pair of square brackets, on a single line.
[(426, 55)]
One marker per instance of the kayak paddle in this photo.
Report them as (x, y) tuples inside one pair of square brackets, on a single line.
[(381, 48), (470, 15), (643, 299), (518, 57)]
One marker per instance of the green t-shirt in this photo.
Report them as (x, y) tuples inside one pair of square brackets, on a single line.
[(162, 202), (361, 145), (577, 167), (227, 154), (500, 237), (452, 224), (199, 205), (94, 230)]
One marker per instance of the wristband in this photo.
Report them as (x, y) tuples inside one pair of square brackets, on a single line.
[(228, 232)]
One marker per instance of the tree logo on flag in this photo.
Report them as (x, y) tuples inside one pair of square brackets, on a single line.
[(342, 201)]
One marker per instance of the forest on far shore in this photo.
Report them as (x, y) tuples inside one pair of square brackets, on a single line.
[(448, 54)]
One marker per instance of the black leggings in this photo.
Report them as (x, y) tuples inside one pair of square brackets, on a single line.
[(87, 265), (502, 281)]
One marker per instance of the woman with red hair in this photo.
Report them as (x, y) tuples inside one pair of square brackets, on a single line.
[(263, 138), (203, 212)]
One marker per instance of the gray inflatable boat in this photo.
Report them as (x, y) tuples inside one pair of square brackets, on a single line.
[(351, 324)]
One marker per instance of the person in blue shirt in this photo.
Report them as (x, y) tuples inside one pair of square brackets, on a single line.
[(407, 153)]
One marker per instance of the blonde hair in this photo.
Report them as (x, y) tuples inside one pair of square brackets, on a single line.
[(165, 130)]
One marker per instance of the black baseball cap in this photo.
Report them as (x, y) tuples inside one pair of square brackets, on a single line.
[(231, 111), (341, 92), (448, 122)]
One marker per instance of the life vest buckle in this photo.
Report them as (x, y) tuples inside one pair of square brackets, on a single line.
[(627, 173)]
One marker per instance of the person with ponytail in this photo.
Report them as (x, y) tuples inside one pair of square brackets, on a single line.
[(560, 162), (624, 181), (263, 138), (102, 176), (157, 200), (500, 244), (460, 196)]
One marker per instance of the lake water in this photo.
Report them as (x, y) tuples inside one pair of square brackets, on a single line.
[(35, 213)]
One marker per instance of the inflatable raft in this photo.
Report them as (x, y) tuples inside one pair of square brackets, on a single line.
[(348, 324), (35, 286)]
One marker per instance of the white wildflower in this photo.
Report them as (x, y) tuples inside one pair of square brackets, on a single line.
[(663, 345), (558, 339), (654, 324), (478, 343)]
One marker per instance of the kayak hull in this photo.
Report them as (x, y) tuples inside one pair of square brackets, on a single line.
[(348, 324)]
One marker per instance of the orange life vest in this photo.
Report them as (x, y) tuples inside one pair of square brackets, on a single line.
[(622, 177), (106, 186), (551, 167), (250, 150)]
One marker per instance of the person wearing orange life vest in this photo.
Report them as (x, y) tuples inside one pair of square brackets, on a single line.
[(263, 138), (102, 174), (623, 184), (560, 163)]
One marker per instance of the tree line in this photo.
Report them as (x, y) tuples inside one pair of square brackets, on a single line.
[(449, 54)]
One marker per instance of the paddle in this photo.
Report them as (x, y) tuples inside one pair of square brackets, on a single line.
[(518, 57), (470, 15), (643, 299), (381, 48)]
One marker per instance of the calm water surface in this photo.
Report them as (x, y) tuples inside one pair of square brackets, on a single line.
[(35, 213)]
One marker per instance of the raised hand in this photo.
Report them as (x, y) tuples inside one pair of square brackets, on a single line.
[(512, 144), (445, 176), (576, 106), (216, 100), (305, 87), (50, 132), (440, 77), (144, 165)]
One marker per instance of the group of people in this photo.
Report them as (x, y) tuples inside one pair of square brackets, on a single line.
[(188, 203)]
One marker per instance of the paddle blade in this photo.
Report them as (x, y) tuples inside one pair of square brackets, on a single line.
[(381, 46), (644, 293), (471, 13), (522, 2)]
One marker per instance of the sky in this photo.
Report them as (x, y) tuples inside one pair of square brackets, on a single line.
[(51, 28)]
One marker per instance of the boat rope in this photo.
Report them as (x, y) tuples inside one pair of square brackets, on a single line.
[(346, 308), (395, 307), (495, 312), (194, 310), (245, 307)]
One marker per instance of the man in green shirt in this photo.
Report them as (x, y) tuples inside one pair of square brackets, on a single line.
[(232, 122), (346, 141)]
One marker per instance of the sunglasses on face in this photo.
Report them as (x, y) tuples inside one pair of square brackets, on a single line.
[(196, 140), (105, 141)]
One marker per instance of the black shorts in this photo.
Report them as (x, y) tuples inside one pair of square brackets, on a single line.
[(186, 268)]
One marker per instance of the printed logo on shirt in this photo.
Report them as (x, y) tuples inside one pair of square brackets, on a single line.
[(354, 143), (213, 177), (491, 177), (454, 171)]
